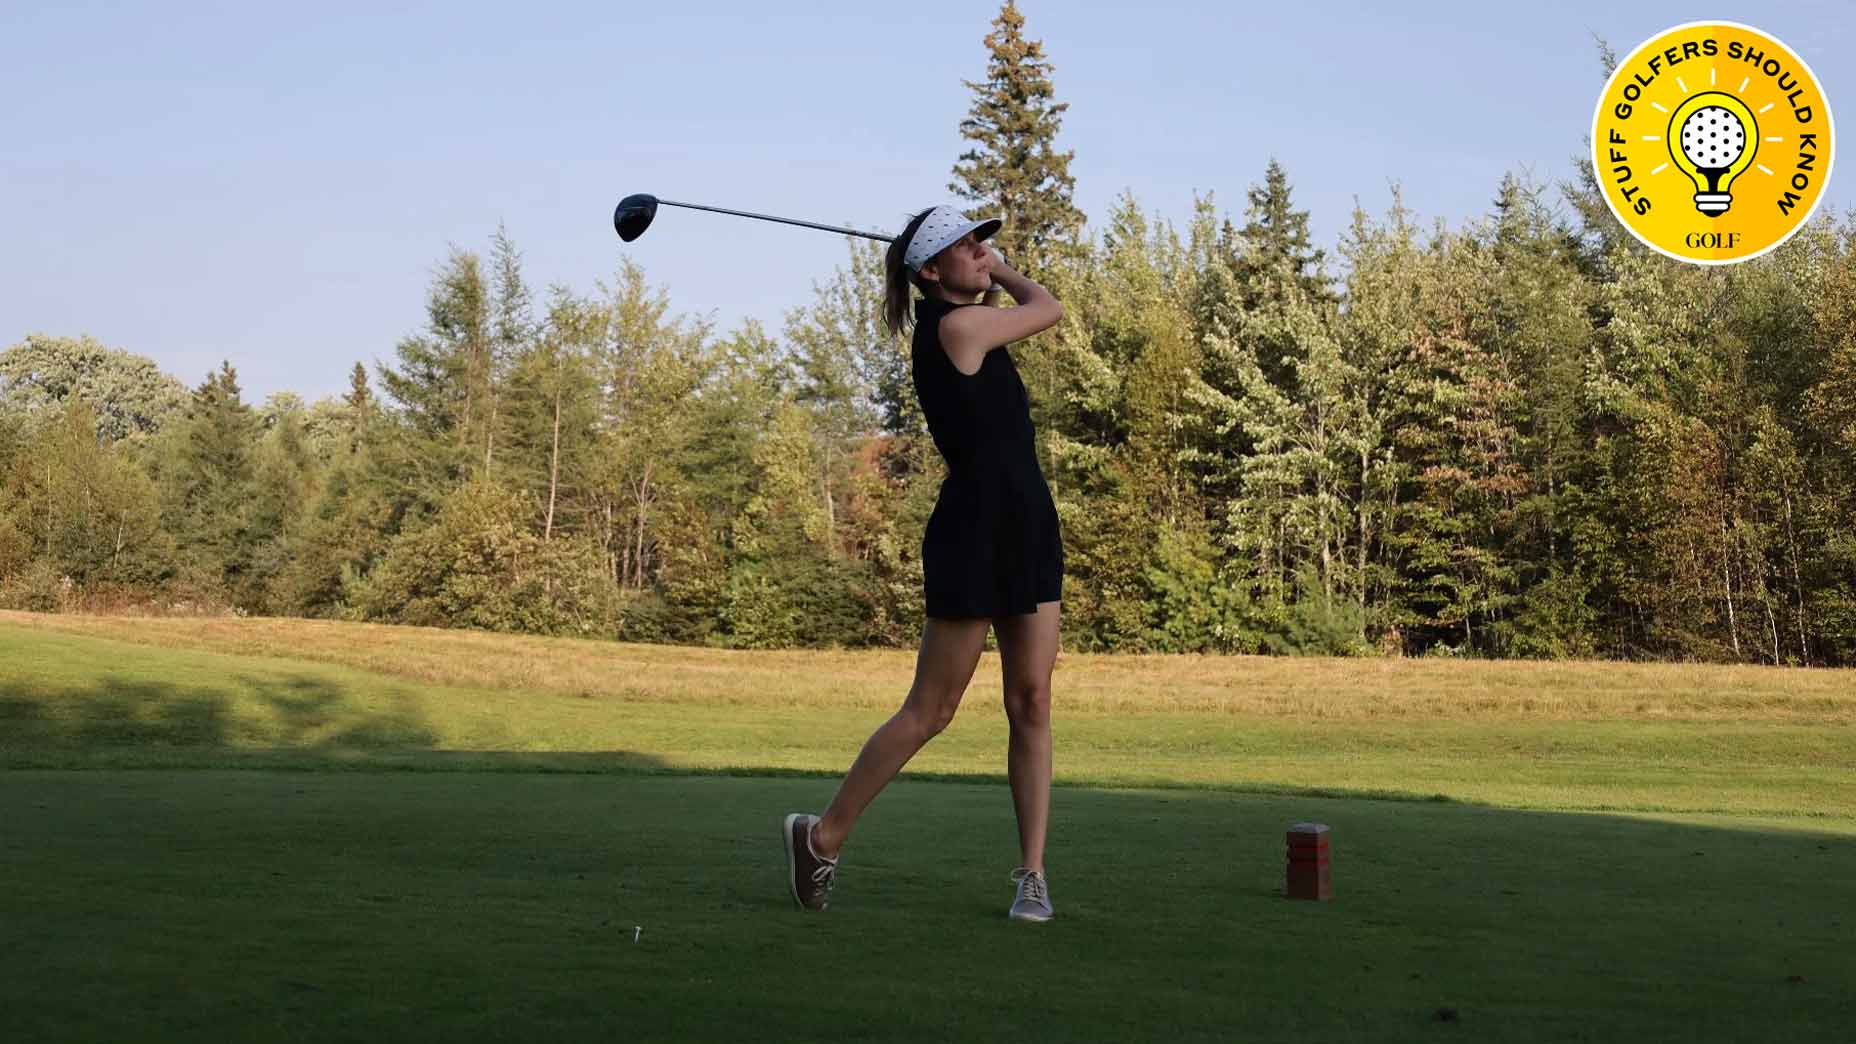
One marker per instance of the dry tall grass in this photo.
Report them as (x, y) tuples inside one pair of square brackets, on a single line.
[(1085, 684)]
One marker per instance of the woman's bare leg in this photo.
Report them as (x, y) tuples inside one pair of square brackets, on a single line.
[(949, 655), (1028, 649)]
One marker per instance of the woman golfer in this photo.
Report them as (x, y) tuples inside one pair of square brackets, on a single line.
[(992, 554)]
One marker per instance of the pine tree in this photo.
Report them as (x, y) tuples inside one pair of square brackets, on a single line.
[(1533, 318), (359, 408), (512, 333), (1272, 252), (283, 485), (208, 486), (1013, 170), (356, 511), (444, 381), (1275, 246)]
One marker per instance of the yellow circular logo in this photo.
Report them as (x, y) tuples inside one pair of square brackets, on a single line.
[(1712, 142)]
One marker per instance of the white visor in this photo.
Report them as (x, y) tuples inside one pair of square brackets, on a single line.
[(943, 226)]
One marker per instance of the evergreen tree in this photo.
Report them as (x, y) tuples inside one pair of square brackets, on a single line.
[(1013, 169), (512, 332), (360, 408), (443, 383), (1271, 253), (283, 485), (207, 490), (1212, 258), (1532, 317), (1293, 518), (1273, 246)]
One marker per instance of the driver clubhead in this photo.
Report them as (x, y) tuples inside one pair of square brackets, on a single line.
[(634, 215)]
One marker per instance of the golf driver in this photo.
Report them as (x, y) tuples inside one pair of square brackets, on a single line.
[(635, 212)]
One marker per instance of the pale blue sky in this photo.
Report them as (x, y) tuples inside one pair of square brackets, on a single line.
[(273, 184)]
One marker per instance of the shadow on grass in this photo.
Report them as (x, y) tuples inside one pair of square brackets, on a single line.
[(294, 722), (300, 712), (305, 722)]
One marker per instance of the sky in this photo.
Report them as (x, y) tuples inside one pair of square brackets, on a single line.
[(275, 185)]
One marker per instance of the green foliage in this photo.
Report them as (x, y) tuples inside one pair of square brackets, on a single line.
[(1273, 250), (78, 509), (344, 532), (1553, 620), (129, 395), (551, 410), (15, 548), (12, 438), (1192, 607), (282, 487), (204, 467), (806, 603), (442, 382), (37, 587), (478, 564), (786, 587), (1316, 623)]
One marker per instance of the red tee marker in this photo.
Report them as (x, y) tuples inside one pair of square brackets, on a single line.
[(1308, 875)]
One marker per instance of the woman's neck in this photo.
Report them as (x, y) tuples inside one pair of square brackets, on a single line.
[(943, 296)]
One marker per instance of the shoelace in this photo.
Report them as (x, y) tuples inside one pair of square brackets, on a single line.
[(822, 873), (1033, 882)]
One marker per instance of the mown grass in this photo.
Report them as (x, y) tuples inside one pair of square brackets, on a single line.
[(257, 905), (438, 835)]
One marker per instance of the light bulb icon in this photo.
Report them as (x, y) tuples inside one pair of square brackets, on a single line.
[(1713, 138)]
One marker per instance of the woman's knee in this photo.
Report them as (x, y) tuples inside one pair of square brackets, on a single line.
[(930, 718), (1028, 706)]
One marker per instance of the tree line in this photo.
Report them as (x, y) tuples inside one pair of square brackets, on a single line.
[(1528, 436)]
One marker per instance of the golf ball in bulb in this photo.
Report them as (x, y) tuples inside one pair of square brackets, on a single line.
[(1712, 138)]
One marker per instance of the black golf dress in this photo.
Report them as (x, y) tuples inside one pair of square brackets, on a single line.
[(992, 546)]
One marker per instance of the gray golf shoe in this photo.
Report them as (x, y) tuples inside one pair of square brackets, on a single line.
[(808, 875), (1033, 901)]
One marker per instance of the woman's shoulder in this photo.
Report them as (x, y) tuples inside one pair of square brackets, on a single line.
[(929, 311)]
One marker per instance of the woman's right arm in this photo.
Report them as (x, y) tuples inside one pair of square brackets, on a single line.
[(969, 333)]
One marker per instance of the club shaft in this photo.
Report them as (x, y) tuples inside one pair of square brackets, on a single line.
[(787, 221)]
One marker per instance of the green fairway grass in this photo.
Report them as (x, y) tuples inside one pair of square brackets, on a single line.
[(277, 830), (500, 906)]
